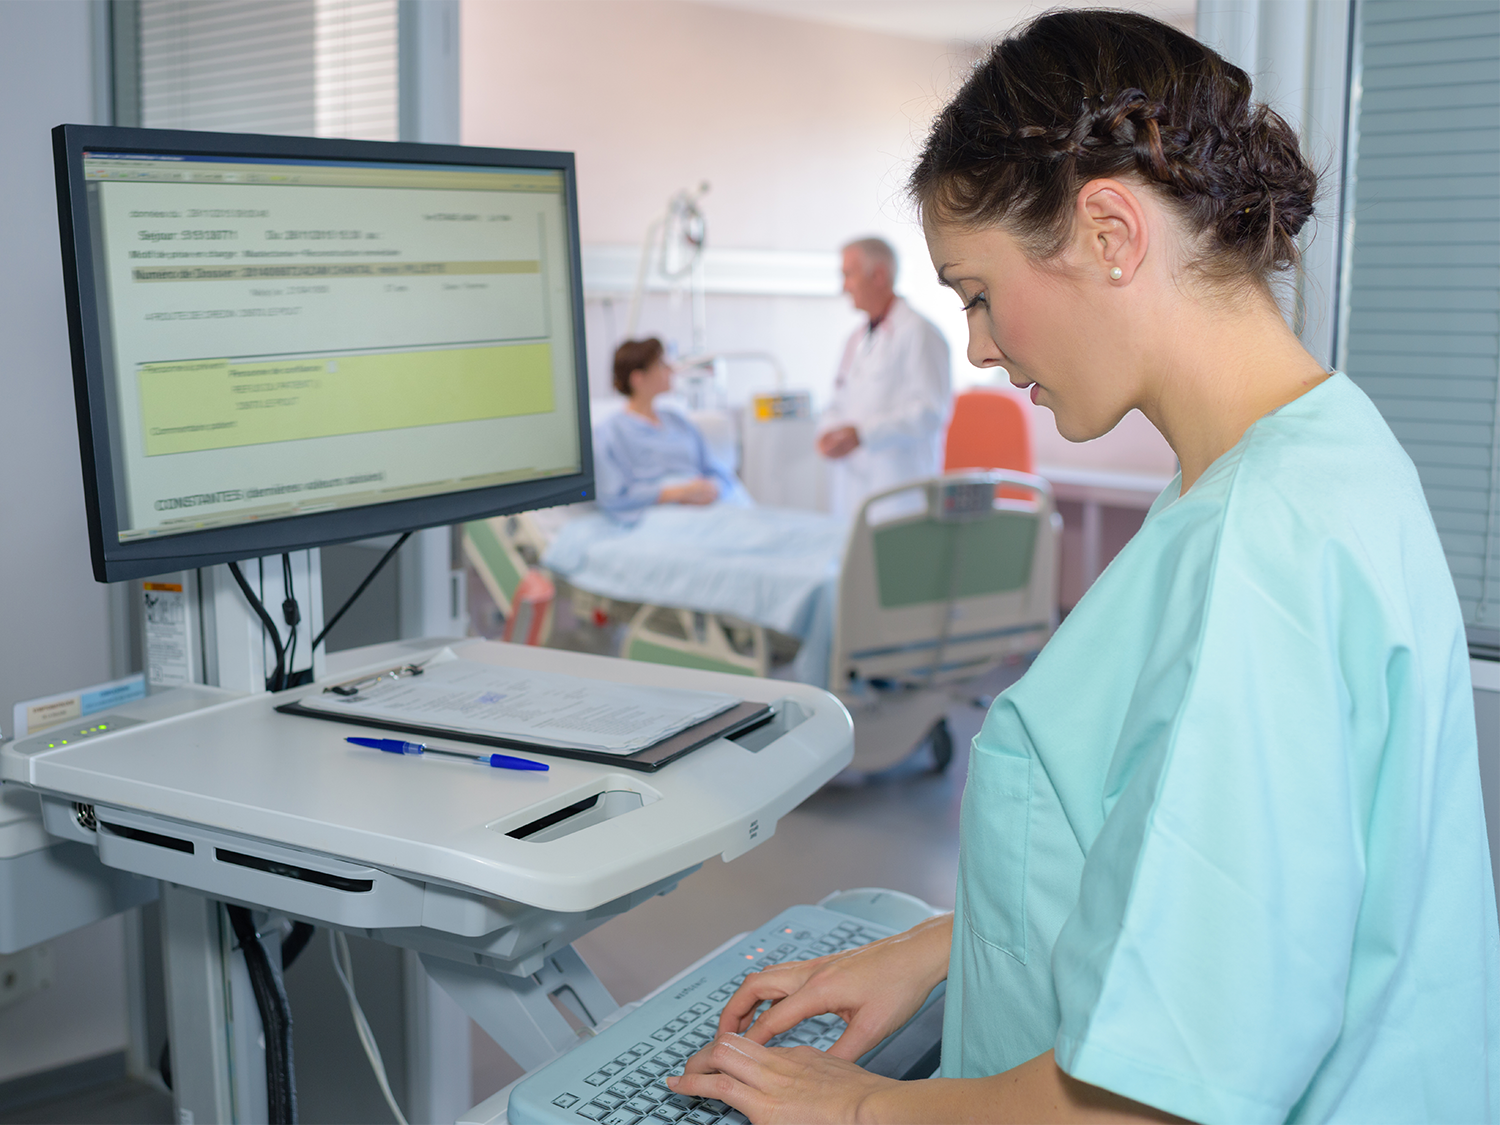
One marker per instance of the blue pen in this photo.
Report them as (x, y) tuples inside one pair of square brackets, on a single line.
[(499, 761)]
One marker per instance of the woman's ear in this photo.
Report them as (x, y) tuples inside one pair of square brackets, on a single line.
[(1112, 230)]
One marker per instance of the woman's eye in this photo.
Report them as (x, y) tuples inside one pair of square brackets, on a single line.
[(977, 300)]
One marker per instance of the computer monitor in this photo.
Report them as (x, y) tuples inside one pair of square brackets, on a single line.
[(286, 342)]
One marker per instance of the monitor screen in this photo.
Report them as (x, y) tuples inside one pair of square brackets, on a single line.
[(287, 342)]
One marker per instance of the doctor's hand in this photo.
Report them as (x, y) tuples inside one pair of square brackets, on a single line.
[(838, 443), (798, 1085), (874, 989), (700, 491)]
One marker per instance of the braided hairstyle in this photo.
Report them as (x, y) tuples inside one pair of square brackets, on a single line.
[(1078, 95)]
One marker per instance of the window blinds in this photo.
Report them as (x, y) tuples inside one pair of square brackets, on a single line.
[(300, 67), (1421, 295)]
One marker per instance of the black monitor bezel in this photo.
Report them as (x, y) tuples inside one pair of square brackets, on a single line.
[(116, 561)]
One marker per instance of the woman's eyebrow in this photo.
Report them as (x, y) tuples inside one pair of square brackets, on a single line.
[(942, 278)]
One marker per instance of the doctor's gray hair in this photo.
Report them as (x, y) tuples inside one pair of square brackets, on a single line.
[(1079, 95), (876, 252)]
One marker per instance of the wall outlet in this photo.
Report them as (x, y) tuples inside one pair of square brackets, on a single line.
[(25, 972)]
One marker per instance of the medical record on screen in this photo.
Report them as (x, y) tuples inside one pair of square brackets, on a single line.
[(284, 337)]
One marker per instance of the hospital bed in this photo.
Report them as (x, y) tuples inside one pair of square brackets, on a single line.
[(930, 587)]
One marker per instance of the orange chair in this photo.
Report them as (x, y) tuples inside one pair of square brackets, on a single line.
[(988, 430)]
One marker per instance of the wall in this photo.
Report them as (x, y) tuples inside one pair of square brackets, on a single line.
[(805, 133), (53, 617)]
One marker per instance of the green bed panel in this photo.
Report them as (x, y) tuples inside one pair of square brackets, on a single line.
[(482, 535), (913, 561)]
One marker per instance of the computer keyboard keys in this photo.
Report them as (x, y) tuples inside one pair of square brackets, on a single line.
[(623, 1074)]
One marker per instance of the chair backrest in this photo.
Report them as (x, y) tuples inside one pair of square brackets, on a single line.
[(953, 585), (988, 430)]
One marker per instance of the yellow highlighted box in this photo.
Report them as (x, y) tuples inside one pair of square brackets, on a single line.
[(220, 404)]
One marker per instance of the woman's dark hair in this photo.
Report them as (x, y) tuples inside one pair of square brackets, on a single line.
[(635, 355), (1078, 95)]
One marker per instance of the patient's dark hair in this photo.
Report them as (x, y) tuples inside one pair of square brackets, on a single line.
[(1083, 94), (635, 355)]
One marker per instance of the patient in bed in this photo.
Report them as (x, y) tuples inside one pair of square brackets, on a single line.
[(645, 455)]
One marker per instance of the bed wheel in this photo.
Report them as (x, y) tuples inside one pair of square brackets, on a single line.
[(942, 746)]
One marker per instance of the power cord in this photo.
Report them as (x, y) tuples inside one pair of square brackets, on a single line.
[(343, 966), (275, 1020), (281, 677), (343, 609), (291, 613), (275, 681)]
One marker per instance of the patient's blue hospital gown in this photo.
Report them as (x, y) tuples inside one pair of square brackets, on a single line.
[(1223, 846), (634, 458)]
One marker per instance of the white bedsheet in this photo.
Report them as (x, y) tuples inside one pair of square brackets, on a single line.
[(774, 567)]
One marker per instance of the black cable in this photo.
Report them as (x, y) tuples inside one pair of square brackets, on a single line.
[(277, 679), (343, 609), (275, 1020), (295, 943), (291, 613)]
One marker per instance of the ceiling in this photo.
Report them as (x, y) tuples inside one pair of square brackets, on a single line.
[(948, 21)]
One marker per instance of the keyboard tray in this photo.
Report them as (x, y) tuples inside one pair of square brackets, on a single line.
[(616, 1077)]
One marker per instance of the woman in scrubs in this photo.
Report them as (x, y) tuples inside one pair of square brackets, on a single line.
[(1223, 848)]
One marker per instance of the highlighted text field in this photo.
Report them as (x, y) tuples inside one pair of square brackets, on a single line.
[(195, 405)]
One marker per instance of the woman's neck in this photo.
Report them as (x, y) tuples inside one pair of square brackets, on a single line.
[(642, 406), (1217, 372)]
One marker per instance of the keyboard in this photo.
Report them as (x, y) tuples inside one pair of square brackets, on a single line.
[(615, 1078)]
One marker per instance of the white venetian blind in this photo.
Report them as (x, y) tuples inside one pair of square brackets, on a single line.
[(301, 67), (1421, 323)]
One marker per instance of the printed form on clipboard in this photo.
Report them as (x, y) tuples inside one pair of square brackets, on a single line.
[(465, 697)]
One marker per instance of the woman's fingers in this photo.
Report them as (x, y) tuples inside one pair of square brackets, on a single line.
[(774, 984), (773, 1085)]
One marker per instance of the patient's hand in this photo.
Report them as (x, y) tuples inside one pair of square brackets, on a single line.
[(838, 443), (700, 491)]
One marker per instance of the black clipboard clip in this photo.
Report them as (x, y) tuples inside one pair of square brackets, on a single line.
[(353, 687)]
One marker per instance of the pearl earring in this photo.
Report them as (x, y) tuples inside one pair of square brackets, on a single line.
[(1116, 273)]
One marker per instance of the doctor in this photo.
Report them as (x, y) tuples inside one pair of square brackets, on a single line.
[(1222, 848), (891, 397)]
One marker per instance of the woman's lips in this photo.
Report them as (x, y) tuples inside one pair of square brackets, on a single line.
[(1034, 389)]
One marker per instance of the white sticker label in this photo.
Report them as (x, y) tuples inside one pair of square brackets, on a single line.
[(168, 652)]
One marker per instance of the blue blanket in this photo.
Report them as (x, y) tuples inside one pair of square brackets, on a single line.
[(773, 567)]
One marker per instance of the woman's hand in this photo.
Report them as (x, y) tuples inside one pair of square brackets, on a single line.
[(874, 989), (700, 491), (798, 1085)]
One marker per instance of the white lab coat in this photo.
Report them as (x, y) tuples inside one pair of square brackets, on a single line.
[(893, 387)]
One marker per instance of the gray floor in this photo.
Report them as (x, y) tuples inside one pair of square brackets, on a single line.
[(900, 832), (123, 1102)]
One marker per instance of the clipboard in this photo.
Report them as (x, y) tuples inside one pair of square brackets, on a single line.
[(739, 719)]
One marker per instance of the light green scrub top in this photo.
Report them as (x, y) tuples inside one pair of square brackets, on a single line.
[(1223, 846)]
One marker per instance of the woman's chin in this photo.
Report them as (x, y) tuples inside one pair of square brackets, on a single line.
[(1078, 430)]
